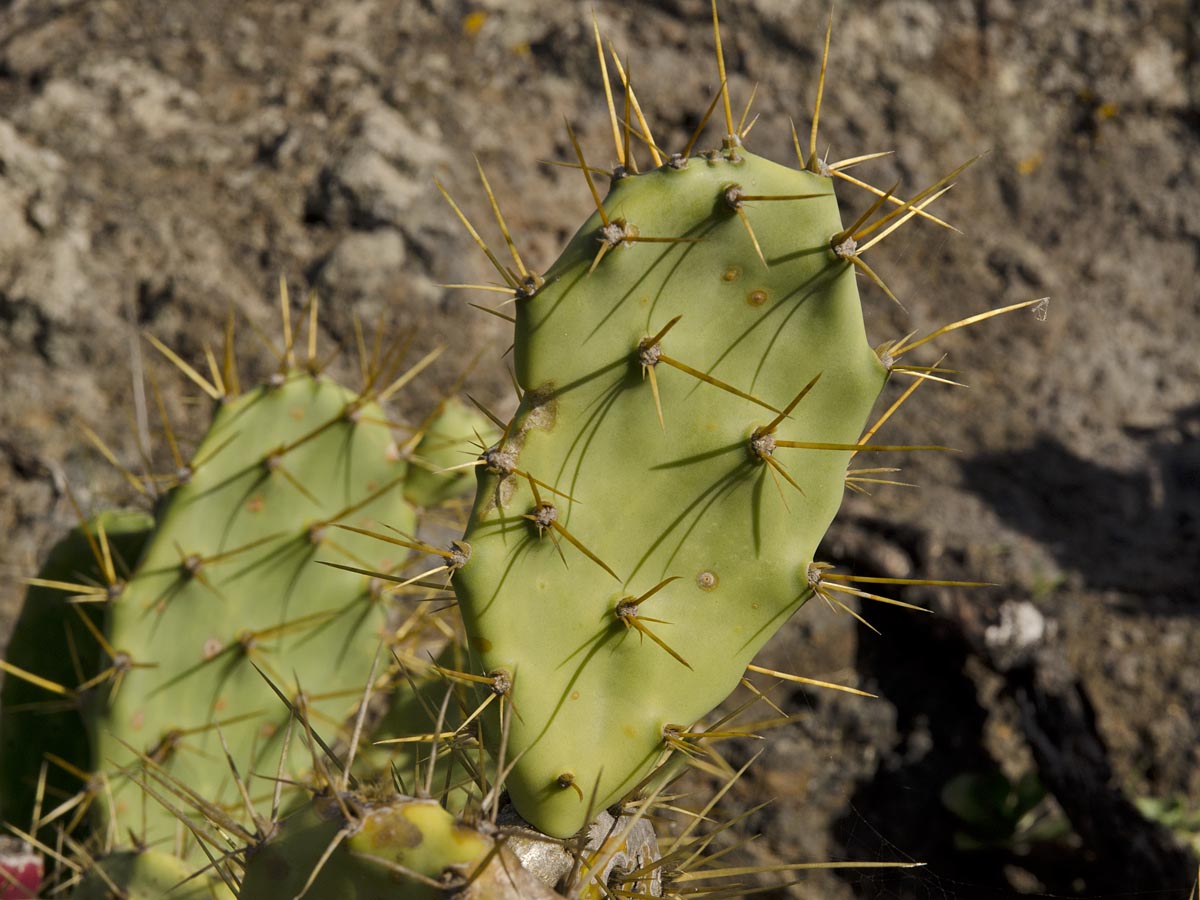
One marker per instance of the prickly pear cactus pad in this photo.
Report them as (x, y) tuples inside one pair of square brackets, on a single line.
[(646, 522), (228, 590)]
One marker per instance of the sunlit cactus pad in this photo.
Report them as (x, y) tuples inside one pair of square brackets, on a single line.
[(228, 584), (590, 502)]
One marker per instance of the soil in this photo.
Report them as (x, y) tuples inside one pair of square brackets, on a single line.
[(162, 163)]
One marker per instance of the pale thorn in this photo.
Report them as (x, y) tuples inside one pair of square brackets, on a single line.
[(903, 346), (753, 238), (861, 264), (612, 109), (812, 139), (195, 377), (412, 373), (508, 240), (646, 136), (285, 315), (703, 121), (587, 174), (911, 212), (866, 436), (479, 241), (931, 190), (852, 161), (721, 71), (897, 201), (796, 143), (741, 131)]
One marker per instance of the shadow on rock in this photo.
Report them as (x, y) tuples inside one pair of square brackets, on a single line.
[(1130, 531)]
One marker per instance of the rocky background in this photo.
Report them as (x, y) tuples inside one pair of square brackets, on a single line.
[(163, 162)]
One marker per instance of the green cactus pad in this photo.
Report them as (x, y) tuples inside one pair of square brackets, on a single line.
[(229, 579), (689, 501)]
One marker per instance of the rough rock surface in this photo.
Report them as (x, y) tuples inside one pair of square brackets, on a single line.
[(162, 163)]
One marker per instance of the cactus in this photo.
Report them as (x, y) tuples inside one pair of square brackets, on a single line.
[(166, 677), (695, 380)]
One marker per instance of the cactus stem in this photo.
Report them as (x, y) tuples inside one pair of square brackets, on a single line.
[(342, 833)]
